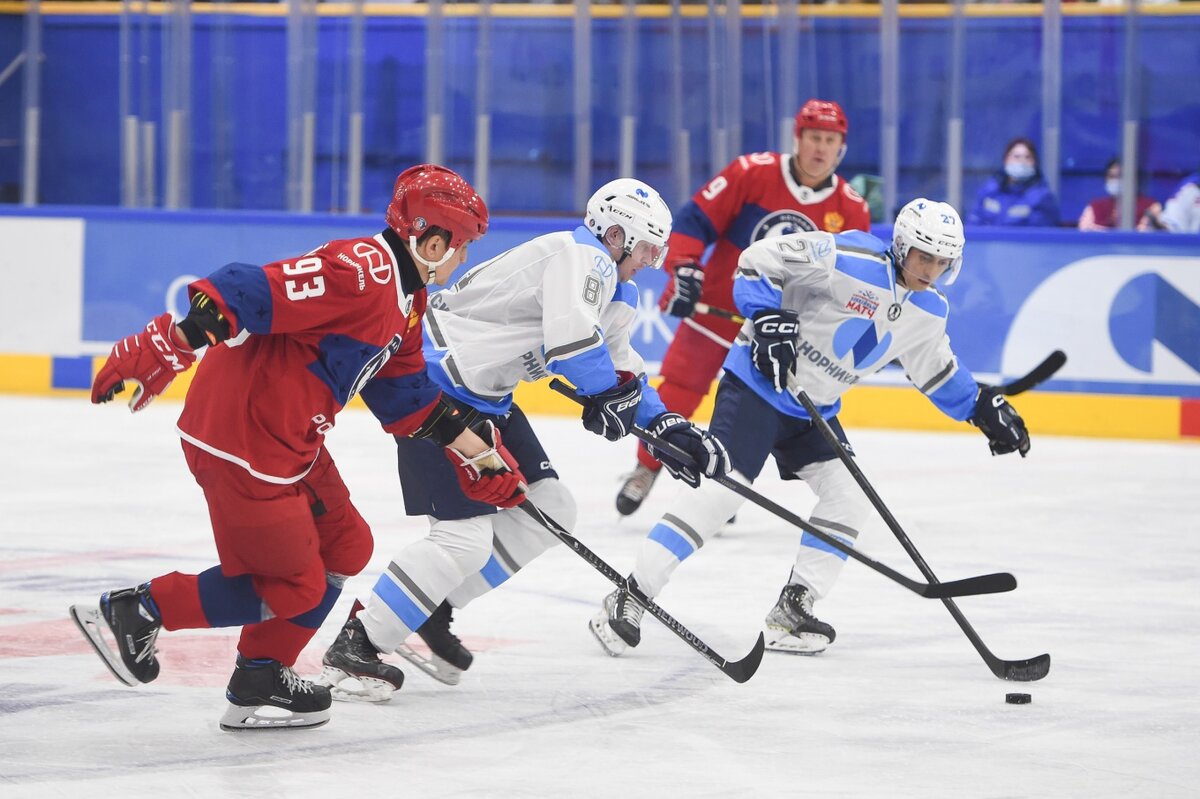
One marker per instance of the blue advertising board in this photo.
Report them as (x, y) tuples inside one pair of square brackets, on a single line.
[(1125, 307)]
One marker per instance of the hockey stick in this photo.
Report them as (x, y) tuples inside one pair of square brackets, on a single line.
[(1028, 670), (1035, 376), (738, 670), (711, 310), (971, 586)]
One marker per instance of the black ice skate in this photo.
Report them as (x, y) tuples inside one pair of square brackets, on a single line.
[(636, 487), (792, 627), (131, 619), (448, 657), (264, 694), (353, 671), (618, 625)]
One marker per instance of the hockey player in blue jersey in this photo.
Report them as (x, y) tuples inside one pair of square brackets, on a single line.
[(822, 312), (559, 304)]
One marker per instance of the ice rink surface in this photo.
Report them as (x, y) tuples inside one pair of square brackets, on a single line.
[(1102, 536)]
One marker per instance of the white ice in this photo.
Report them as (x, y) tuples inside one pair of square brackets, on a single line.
[(1102, 536)]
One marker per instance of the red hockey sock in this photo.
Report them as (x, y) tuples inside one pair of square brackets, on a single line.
[(178, 599)]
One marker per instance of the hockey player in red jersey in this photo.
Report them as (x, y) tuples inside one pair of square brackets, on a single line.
[(757, 196), (289, 344)]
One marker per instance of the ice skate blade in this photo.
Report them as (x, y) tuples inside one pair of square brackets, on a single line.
[(267, 717), (344, 687), (93, 626), (802, 644), (433, 665), (609, 641)]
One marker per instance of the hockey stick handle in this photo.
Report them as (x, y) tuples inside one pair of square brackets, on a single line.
[(711, 310), (983, 584), (739, 671), (1002, 669)]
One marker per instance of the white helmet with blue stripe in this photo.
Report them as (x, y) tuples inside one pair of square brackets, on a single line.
[(637, 209), (932, 227)]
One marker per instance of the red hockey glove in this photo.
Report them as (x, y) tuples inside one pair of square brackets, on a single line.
[(151, 358), (493, 476)]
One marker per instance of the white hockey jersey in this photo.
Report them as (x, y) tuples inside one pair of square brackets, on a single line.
[(854, 319), (554, 304)]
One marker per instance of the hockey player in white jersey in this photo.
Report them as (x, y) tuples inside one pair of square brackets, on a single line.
[(822, 312), (560, 304)]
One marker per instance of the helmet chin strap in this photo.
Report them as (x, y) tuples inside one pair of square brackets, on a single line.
[(431, 266)]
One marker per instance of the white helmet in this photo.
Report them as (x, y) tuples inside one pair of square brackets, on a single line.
[(637, 209), (932, 227)]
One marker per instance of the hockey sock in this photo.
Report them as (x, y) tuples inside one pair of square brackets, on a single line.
[(283, 639), (208, 599), (694, 516)]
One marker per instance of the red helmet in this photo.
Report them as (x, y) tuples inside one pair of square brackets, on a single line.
[(822, 115), (428, 195)]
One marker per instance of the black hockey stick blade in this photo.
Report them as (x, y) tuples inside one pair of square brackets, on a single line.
[(997, 583), (1036, 376), (1030, 670)]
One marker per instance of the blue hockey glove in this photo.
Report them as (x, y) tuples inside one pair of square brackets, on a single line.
[(708, 455), (611, 413), (689, 283), (1000, 422), (776, 334)]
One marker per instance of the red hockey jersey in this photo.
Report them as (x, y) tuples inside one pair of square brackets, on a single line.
[(753, 198), (308, 334)]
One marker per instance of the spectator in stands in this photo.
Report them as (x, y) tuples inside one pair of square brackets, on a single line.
[(1018, 195), (1104, 213), (1182, 212)]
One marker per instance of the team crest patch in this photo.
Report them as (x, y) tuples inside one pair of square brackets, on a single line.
[(781, 223), (864, 302), (834, 222)]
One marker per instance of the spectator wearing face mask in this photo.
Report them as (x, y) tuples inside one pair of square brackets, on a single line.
[(1017, 195), (1104, 213)]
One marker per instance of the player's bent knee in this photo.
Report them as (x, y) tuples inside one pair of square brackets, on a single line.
[(291, 596), (352, 550), (839, 497), (467, 543)]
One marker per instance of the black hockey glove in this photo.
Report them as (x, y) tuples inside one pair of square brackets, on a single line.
[(689, 282), (776, 333), (708, 455), (1000, 422), (610, 413)]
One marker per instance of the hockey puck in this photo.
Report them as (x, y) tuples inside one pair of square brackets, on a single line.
[(1018, 699)]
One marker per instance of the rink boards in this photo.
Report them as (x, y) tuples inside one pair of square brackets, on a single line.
[(1124, 307)]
